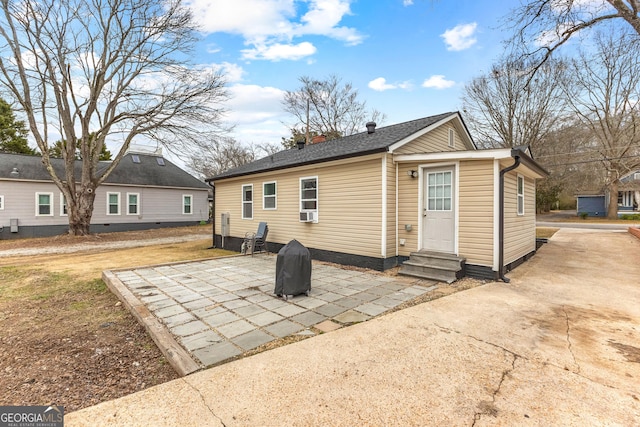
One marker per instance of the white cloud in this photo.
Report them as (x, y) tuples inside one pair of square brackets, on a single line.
[(323, 19), (547, 38), (407, 2), (256, 111), (250, 18), (278, 51), (438, 82), (269, 26), (232, 72), (380, 84), (587, 6), (213, 48), (250, 104), (460, 37)]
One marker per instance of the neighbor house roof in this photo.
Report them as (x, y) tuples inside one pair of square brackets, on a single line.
[(359, 144), (149, 171), (629, 182)]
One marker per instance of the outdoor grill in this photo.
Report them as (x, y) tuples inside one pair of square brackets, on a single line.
[(293, 270)]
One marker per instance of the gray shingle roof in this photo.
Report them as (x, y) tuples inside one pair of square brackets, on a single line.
[(146, 173), (350, 146)]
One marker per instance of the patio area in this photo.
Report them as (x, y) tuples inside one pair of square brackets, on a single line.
[(204, 313)]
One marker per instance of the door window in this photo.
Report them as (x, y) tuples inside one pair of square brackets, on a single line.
[(439, 191)]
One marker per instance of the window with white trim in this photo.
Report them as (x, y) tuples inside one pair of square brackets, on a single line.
[(133, 203), (63, 205), (520, 183), (44, 204), (439, 186), (452, 138), (187, 204), (1, 203), (247, 201), (269, 195), (113, 203), (309, 194)]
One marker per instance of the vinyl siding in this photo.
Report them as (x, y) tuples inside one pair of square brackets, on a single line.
[(155, 204), (408, 209), (392, 243), (519, 230), (434, 141), (475, 197), (349, 206)]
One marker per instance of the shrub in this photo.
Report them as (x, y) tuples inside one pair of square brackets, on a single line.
[(632, 217), (583, 215)]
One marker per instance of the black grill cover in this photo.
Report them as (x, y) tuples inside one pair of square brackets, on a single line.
[(293, 270)]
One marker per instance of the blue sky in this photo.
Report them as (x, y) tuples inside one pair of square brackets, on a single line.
[(408, 59)]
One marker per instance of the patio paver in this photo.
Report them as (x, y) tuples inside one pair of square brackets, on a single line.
[(217, 309)]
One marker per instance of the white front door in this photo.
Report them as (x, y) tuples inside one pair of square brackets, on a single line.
[(438, 211)]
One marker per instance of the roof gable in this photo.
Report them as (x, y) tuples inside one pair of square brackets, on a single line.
[(148, 172), (356, 145), (631, 176), (454, 119)]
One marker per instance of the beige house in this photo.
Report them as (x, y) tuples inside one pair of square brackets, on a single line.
[(417, 193)]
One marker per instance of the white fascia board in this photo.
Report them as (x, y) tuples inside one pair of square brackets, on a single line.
[(421, 132), (496, 154)]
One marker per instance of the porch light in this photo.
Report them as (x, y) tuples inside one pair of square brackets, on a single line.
[(412, 173)]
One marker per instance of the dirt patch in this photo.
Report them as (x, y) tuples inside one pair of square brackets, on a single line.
[(631, 353), (99, 238), (65, 338)]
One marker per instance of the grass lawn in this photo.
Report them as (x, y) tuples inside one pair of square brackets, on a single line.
[(66, 339), (545, 232)]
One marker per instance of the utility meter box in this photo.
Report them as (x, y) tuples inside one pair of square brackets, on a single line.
[(225, 227)]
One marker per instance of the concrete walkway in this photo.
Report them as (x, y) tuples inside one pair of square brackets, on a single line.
[(205, 312), (559, 345)]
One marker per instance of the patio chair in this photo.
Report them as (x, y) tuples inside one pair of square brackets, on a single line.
[(260, 242), (256, 241)]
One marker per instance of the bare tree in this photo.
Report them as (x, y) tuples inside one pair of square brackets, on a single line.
[(567, 153), (227, 153), (604, 93), (504, 109), (333, 108), (551, 23), (87, 70)]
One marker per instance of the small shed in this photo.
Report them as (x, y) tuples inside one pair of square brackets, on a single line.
[(592, 205)]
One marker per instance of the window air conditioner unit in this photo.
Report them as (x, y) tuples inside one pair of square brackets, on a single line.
[(307, 216)]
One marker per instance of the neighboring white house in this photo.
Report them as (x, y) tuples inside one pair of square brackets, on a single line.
[(144, 191)]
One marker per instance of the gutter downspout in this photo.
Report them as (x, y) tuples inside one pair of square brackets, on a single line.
[(213, 216), (516, 156)]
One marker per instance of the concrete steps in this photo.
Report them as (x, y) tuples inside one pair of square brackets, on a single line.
[(433, 266)]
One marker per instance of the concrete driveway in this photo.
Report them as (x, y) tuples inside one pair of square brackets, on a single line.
[(559, 345)]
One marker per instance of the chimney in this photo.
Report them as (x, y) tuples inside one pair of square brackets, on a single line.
[(371, 127), (318, 138), (300, 144)]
